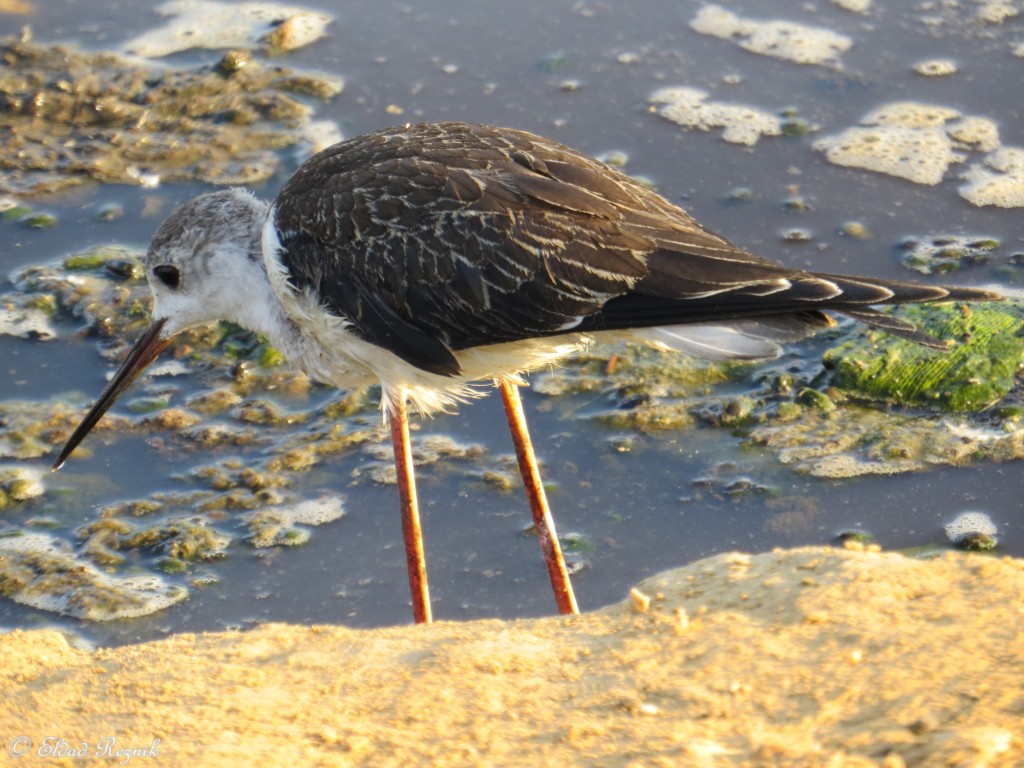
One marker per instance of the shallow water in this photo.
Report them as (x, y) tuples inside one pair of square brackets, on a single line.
[(641, 509)]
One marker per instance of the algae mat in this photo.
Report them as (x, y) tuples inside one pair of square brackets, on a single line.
[(805, 657)]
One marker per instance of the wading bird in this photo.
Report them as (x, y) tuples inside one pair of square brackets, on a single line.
[(430, 258)]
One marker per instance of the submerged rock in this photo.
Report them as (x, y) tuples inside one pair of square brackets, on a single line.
[(973, 530)]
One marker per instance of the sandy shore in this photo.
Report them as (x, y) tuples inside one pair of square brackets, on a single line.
[(807, 657)]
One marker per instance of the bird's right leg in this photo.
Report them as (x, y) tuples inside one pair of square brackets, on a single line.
[(411, 531)]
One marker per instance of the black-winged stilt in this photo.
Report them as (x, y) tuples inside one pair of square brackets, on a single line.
[(430, 258)]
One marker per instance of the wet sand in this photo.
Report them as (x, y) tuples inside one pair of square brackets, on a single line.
[(802, 657)]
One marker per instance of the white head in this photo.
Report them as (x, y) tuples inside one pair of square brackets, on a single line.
[(205, 263)]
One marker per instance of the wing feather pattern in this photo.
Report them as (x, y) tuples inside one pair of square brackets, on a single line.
[(435, 238)]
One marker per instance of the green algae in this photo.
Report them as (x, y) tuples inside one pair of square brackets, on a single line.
[(816, 399), (979, 369), (39, 221), (33, 429), (505, 482), (268, 357), (15, 212), (854, 441), (103, 291), (287, 525), (69, 117), (148, 404), (646, 390), (38, 570), (135, 508), (94, 259), (650, 417), (269, 529), (212, 402), (264, 427), (442, 453), (578, 543), (979, 542), (794, 125), (855, 537), (855, 230), (946, 253), (20, 484), (973, 531), (177, 539), (809, 417)]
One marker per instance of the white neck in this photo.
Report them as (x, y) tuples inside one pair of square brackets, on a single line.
[(250, 302)]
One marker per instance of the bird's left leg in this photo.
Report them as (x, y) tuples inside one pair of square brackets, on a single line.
[(543, 522)]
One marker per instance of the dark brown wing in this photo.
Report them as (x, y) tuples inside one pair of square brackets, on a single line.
[(439, 237)]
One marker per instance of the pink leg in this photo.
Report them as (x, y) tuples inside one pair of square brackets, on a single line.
[(414, 557), (542, 519)]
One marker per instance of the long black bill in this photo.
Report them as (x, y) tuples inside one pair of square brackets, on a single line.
[(143, 353)]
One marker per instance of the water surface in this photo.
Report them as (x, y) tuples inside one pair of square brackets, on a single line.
[(581, 73)]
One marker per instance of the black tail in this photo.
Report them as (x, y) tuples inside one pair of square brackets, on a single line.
[(801, 301), (899, 293)]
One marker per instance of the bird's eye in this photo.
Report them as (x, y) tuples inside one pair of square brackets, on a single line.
[(168, 275)]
